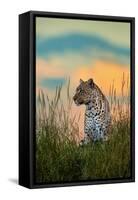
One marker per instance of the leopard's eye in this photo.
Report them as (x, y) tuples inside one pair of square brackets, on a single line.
[(80, 91)]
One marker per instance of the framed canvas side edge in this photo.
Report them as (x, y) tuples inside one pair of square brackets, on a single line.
[(133, 98), (25, 140)]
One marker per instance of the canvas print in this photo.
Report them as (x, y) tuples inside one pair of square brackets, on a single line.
[(82, 100)]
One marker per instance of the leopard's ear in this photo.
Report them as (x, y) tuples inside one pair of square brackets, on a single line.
[(81, 81), (90, 82)]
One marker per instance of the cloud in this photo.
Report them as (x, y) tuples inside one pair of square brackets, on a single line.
[(115, 32), (88, 46), (44, 68), (52, 82)]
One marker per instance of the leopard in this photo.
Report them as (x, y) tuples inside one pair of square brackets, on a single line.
[(97, 119)]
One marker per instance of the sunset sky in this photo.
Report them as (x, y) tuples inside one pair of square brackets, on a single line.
[(68, 48)]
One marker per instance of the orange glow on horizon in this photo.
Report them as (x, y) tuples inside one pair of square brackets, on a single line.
[(105, 74)]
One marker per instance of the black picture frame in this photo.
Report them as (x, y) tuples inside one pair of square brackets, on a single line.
[(27, 96)]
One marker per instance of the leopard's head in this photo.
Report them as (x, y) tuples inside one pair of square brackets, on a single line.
[(84, 92)]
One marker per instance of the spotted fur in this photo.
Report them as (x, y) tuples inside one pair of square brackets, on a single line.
[(97, 114)]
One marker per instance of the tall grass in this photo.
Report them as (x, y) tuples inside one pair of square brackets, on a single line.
[(59, 158)]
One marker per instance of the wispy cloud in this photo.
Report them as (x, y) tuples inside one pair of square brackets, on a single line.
[(89, 46), (52, 82), (115, 32)]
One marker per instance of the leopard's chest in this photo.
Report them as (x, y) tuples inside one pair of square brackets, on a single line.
[(91, 118)]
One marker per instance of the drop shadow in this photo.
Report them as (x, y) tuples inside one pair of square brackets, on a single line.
[(13, 180)]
